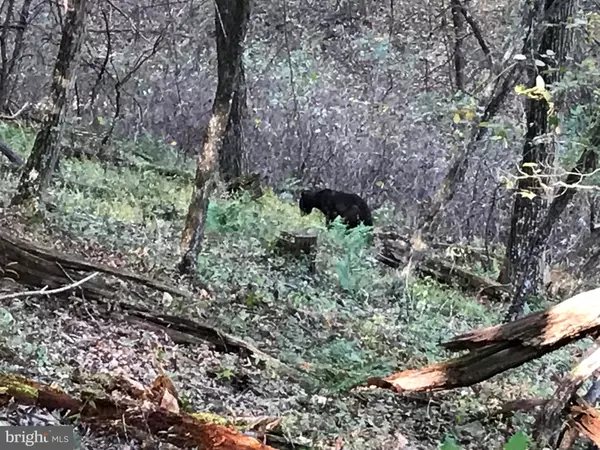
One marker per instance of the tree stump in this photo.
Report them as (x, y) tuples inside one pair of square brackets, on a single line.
[(300, 244)]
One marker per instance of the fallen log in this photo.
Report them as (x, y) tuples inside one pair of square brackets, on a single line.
[(39, 267), (581, 419), (568, 321), (185, 331), (496, 349), (585, 419), (145, 413), (451, 274), (396, 251)]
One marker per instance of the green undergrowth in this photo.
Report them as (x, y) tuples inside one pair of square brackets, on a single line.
[(349, 319)]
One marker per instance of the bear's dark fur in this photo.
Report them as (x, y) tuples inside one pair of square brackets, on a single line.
[(350, 207)]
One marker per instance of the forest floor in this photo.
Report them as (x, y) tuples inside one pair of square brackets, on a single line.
[(351, 319)]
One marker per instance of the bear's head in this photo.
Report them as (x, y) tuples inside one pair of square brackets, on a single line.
[(307, 202)]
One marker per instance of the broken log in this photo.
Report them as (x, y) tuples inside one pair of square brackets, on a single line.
[(397, 251), (475, 367), (496, 349), (39, 267), (453, 275), (548, 425), (586, 419), (185, 331), (568, 321), (145, 413), (35, 266), (582, 418)]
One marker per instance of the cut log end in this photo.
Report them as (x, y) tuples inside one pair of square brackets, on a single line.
[(297, 245)]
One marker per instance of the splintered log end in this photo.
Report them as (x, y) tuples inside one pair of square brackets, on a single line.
[(219, 437), (586, 419), (430, 378), (382, 384), (571, 319)]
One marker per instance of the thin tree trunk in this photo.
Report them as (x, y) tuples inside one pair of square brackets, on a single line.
[(459, 34), (587, 163), (231, 20), (232, 157), (46, 150), (8, 16), (11, 78), (529, 229), (458, 168)]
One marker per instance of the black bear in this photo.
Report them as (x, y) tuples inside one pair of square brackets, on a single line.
[(350, 207)]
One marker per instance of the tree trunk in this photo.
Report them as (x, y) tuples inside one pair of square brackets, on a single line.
[(531, 256), (9, 75), (232, 157), (524, 251), (8, 16), (459, 34), (504, 84), (231, 21), (46, 151)]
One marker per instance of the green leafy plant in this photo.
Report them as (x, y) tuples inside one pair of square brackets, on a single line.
[(518, 441), (449, 444)]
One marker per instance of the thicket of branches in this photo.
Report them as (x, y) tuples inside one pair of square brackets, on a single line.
[(373, 97)]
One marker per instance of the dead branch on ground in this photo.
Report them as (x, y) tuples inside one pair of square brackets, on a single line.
[(39, 267), (496, 349), (397, 251), (147, 412), (48, 291), (185, 331), (35, 266)]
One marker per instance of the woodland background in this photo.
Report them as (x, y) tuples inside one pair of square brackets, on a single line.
[(426, 109)]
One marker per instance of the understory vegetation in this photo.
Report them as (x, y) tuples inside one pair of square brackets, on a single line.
[(351, 319)]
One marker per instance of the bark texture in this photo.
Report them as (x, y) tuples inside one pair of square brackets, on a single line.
[(40, 165), (496, 349), (8, 71), (232, 158), (139, 407), (523, 265), (459, 34), (231, 20)]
